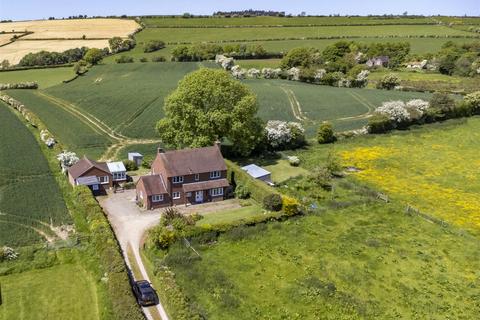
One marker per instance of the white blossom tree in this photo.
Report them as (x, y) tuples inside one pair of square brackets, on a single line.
[(67, 159), (396, 111)]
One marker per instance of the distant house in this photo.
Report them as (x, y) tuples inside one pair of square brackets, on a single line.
[(259, 173), (381, 61), (187, 176), (95, 175), (136, 157)]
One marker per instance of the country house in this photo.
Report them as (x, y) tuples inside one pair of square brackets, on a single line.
[(188, 176), (98, 176)]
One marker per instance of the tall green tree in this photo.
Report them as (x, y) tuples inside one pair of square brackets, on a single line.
[(209, 105), (93, 56)]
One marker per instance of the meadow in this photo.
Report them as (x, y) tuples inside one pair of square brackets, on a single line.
[(44, 77), (25, 213), (341, 264), (61, 292), (433, 168), (73, 131)]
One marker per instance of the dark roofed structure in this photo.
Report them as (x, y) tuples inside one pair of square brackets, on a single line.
[(153, 184), (84, 165)]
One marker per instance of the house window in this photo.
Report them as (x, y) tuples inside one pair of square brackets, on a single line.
[(103, 180), (141, 195), (215, 174), (157, 198), (119, 176), (95, 187), (197, 176), (176, 195), (177, 179), (216, 192)]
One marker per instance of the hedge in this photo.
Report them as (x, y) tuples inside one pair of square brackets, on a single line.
[(258, 189)]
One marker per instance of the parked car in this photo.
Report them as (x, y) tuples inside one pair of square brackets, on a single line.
[(145, 294)]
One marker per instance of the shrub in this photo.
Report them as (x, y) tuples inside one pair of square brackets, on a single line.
[(282, 135), (322, 177), (143, 59), (273, 202), (242, 192), (130, 165), (117, 44), (389, 82), (124, 59), (294, 161), (153, 45), (291, 206), (8, 254), (161, 237), (379, 123), (325, 133), (472, 101), (158, 59), (443, 103), (93, 56)]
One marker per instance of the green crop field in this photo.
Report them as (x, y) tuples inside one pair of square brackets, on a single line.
[(312, 104), (30, 198), (73, 131), (278, 21), (44, 77), (345, 264), (129, 97), (193, 35), (60, 292)]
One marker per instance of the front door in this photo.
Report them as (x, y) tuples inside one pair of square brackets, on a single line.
[(198, 196)]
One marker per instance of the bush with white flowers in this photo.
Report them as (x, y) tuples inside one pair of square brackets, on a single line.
[(394, 110), (293, 74), (283, 135), (8, 254), (269, 73), (319, 74), (67, 159), (418, 105), (238, 72), (225, 62), (294, 161), (253, 73)]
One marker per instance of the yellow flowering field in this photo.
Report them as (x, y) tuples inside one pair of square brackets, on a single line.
[(435, 169)]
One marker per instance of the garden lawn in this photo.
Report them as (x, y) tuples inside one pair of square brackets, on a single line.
[(30, 198), (44, 77), (434, 168), (363, 262), (230, 216), (60, 292)]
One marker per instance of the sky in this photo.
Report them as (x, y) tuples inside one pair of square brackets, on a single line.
[(39, 9)]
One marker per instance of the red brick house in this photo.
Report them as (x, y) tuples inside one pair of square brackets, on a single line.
[(93, 174), (188, 176)]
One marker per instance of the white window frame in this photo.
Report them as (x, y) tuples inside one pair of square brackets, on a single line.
[(215, 174), (141, 195), (119, 176), (157, 198), (103, 179), (197, 176), (177, 179), (216, 192), (176, 195)]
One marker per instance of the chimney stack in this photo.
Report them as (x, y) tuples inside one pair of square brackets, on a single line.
[(160, 150)]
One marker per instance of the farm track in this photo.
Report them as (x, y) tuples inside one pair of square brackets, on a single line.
[(364, 102), (120, 140), (295, 105)]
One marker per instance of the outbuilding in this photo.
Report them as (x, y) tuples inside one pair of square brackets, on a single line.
[(118, 171), (136, 157), (259, 173)]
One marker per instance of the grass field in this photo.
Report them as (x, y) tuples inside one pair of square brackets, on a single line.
[(60, 292), (434, 169), (25, 212), (230, 216), (73, 131), (345, 264), (277, 21), (44, 77)]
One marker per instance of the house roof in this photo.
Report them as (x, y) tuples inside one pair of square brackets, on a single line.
[(85, 164), (87, 181), (191, 161), (255, 171), (116, 166), (205, 185), (153, 184)]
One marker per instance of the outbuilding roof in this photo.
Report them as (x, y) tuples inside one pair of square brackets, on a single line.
[(256, 171), (116, 167), (85, 164), (87, 181), (135, 154), (153, 184), (191, 161)]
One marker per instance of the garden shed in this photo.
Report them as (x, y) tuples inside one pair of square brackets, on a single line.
[(136, 157), (258, 173)]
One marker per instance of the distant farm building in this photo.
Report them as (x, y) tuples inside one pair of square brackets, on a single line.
[(381, 61), (135, 157)]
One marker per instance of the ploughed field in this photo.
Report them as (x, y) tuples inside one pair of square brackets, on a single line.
[(25, 212)]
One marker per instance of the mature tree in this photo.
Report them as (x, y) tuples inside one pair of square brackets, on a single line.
[(388, 81), (209, 105), (300, 57), (80, 67), (93, 56)]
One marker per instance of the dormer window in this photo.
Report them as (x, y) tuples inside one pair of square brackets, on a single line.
[(215, 174), (197, 177), (177, 179)]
